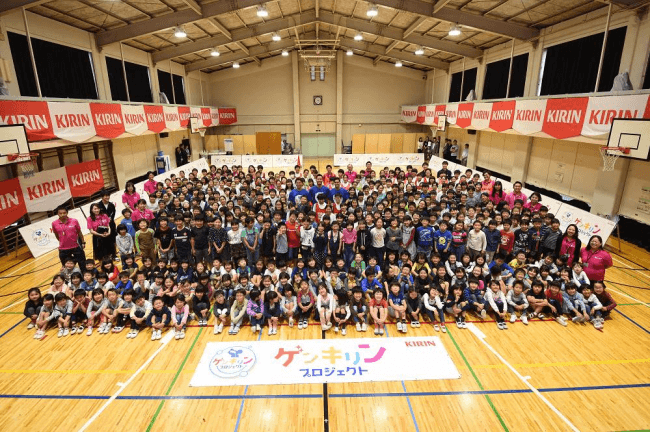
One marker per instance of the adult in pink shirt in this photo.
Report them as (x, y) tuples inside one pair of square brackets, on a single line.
[(130, 197), (534, 204), (498, 194), (487, 184), (99, 225), (150, 184), (569, 245), (351, 174), (71, 240), (595, 259), (142, 212), (516, 194)]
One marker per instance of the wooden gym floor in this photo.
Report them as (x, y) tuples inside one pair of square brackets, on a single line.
[(539, 377)]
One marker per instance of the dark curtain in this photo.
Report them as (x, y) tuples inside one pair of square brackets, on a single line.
[(165, 85), (469, 83), (572, 67), (63, 72), (496, 78), (137, 76), (116, 79), (22, 64), (646, 81), (179, 89)]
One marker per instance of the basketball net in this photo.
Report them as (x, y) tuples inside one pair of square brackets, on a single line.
[(609, 159), (202, 131), (25, 162)]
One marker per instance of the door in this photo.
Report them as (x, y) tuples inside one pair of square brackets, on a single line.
[(318, 145)]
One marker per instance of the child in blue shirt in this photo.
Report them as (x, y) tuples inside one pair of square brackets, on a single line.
[(397, 306), (424, 237), (124, 284), (442, 239), (128, 222)]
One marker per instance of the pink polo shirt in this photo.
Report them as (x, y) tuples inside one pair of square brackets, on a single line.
[(349, 237), (146, 214), (150, 186), (512, 197), (131, 200), (68, 232)]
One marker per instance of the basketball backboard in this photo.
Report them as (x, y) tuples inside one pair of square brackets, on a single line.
[(13, 140), (633, 134)]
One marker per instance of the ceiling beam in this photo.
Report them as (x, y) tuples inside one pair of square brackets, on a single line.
[(368, 47), (239, 56), (398, 35), (439, 5), (221, 28), (194, 6), (463, 18), (414, 26), (242, 47), (166, 21), (236, 35), (9, 5)]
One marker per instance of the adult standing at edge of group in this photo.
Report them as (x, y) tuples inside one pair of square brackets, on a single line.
[(71, 240), (516, 194), (569, 245), (99, 226), (454, 151), (595, 259), (181, 155), (109, 208), (130, 197), (150, 185)]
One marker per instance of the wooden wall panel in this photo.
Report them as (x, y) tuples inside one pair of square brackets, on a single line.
[(372, 141), (410, 144), (358, 143), (250, 143), (396, 143), (383, 146), (268, 143)]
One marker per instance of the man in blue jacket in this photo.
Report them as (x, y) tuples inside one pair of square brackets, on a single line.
[(319, 189), (294, 195)]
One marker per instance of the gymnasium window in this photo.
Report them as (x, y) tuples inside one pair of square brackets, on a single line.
[(572, 67), (176, 93), (63, 72), (469, 83), (138, 79), (496, 78)]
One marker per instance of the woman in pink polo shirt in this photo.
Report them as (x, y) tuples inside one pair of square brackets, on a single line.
[(487, 184), (130, 197), (595, 259), (99, 225)]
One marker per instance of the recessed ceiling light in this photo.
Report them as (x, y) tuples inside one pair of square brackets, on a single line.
[(235, 65), (349, 52), (179, 32), (419, 51), (215, 52), (358, 36), (373, 11), (285, 53), (276, 37), (454, 30), (262, 12), (398, 63)]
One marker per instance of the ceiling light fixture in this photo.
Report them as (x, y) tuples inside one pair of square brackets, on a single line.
[(358, 36), (262, 12), (276, 37), (215, 52), (398, 63), (179, 32), (419, 51), (285, 53), (373, 11), (454, 30), (235, 65), (349, 52)]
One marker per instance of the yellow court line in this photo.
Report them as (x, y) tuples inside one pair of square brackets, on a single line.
[(168, 371)]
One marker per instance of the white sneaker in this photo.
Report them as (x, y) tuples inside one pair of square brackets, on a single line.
[(436, 327), (216, 329), (135, 333), (358, 326), (37, 335), (500, 326), (399, 326), (270, 333), (376, 330), (513, 318), (524, 319), (129, 335), (336, 329), (253, 329), (299, 325), (328, 326), (290, 321), (576, 319), (73, 330), (60, 333), (404, 327), (483, 314), (364, 327), (30, 325), (107, 328), (90, 331), (177, 335), (159, 334), (66, 331), (259, 328), (463, 324), (153, 335), (599, 323), (182, 334), (561, 320), (275, 330), (343, 332), (443, 328), (381, 330)]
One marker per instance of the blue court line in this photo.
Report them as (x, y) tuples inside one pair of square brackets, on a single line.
[(408, 400), (627, 318), (334, 395), (13, 327), (241, 407)]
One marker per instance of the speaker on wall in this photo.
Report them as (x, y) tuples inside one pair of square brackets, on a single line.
[(471, 132)]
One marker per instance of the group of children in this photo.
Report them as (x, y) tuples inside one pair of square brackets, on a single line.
[(351, 249)]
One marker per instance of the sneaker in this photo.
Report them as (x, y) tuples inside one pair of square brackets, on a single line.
[(459, 324), (135, 333), (561, 320), (399, 326), (270, 333), (216, 329), (73, 330), (443, 328), (599, 323), (413, 324), (364, 327), (108, 327), (483, 314), (182, 334), (513, 318), (533, 315), (129, 335), (417, 324), (37, 335), (381, 331), (66, 331), (159, 334), (499, 326), (541, 316), (376, 330), (253, 329), (231, 330), (358, 327), (90, 331), (463, 324), (328, 326), (343, 332), (80, 328), (404, 327), (299, 325), (153, 335), (118, 329), (576, 319), (505, 326), (30, 325), (259, 328), (524, 319), (290, 321), (275, 331), (235, 331), (60, 333), (177, 335), (336, 329)]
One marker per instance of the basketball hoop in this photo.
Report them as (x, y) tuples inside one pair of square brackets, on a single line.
[(25, 161), (202, 131), (610, 155)]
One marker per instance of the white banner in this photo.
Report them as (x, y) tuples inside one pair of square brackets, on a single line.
[(72, 121), (601, 111), (172, 118), (45, 190), (430, 115), (39, 236), (255, 160), (529, 116), (380, 160), (287, 161), (481, 116), (221, 160), (135, 121), (588, 224), (409, 113), (451, 111), (314, 361)]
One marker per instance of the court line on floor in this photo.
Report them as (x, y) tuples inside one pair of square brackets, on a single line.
[(481, 337), (624, 294), (408, 400), (178, 372), (630, 267), (13, 327), (163, 343), (333, 395), (241, 407), (487, 397), (626, 317)]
